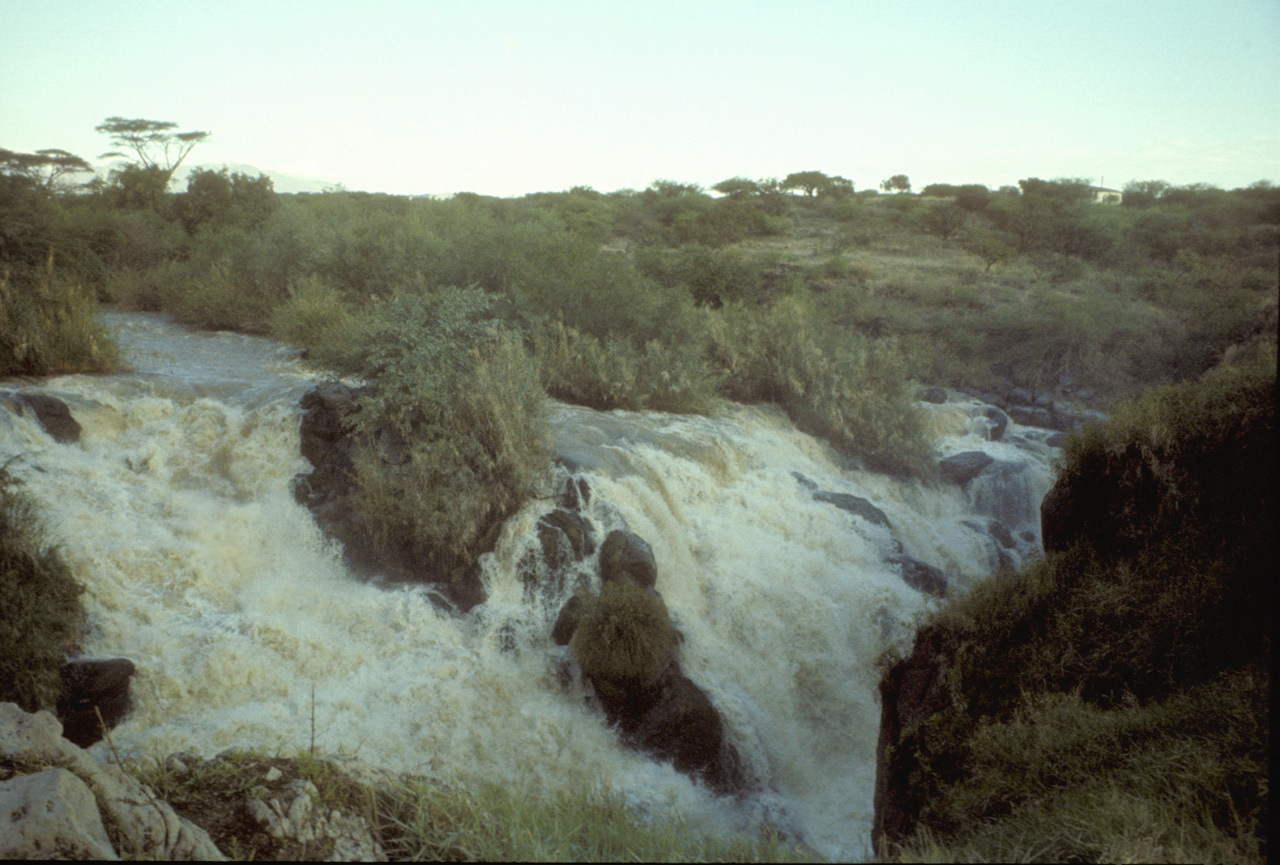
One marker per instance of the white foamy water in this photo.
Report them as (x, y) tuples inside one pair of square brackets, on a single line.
[(176, 513)]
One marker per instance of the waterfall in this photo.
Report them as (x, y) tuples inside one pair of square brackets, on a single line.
[(175, 511)]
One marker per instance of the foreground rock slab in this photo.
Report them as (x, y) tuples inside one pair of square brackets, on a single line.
[(144, 828)]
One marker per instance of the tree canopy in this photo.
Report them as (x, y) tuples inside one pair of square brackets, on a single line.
[(46, 168), (153, 143), (897, 183)]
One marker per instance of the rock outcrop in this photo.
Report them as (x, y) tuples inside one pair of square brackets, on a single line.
[(93, 688), (63, 802), (52, 413), (328, 441), (627, 649)]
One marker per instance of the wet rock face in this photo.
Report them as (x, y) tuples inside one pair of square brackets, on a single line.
[(963, 467), (52, 413), (625, 556), (90, 688), (627, 649)]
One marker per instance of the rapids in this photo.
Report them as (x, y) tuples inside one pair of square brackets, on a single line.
[(175, 511)]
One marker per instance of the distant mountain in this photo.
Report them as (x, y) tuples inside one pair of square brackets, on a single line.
[(281, 182)]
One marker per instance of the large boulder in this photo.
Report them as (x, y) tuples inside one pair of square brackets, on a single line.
[(626, 647), (856, 505), (963, 467), (913, 691), (624, 555), (328, 441), (93, 689), (51, 815), (144, 828), (51, 412)]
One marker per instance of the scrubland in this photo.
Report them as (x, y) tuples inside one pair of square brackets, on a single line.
[(1093, 722)]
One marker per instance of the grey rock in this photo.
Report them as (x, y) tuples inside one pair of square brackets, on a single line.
[(51, 412), (856, 505), (51, 815), (963, 467), (147, 828)]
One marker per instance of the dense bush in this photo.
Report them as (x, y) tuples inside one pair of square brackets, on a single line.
[(40, 612), (1132, 663), (843, 387), (49, 325), (465, 400)]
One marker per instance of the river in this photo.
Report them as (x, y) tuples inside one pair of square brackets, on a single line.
[(175, 511)]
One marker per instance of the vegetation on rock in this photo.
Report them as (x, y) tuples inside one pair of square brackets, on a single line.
[(40, 612), (1111, 701)]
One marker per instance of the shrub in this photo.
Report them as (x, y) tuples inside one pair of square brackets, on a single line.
[(614, 373), (40, 612), (625, 639), (844, 387), (466, 398), (316, 317), (49, 326)]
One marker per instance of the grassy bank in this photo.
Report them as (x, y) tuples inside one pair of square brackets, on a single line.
[(413, 819), (1111, 702), (40, 612)]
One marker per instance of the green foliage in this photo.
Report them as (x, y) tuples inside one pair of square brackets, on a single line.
[(846, 388), (40, 612), (220, 198), (466, 398), (625, 639), (49, 326), (316, 317), (1121, 684), (137, 187), (944, 220), (897, 183), (614, 373)]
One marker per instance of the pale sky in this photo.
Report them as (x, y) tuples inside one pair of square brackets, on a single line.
[(507, 98)]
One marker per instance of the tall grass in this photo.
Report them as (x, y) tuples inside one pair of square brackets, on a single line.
[(465, 400), (844, 387), (40, 612), (494, 823), (49, 326)]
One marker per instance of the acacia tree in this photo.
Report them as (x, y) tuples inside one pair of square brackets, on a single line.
[(45, 168), (897, 183), (153, 143), (812, 182)]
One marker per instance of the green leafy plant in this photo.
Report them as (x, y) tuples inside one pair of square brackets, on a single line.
[(40, 612)]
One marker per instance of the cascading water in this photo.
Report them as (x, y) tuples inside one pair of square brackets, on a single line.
[(175, 511)]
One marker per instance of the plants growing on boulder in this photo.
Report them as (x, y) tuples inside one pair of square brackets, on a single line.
[(625, 640), (40, 612)]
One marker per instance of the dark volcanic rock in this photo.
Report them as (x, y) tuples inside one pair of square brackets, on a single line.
[(624, 555), (576, 531), (855, 505), (914, 690), (680, 724), (51, 412), (90, 684), (963, 467), (922, 577), (567, 621), (1000, 422)]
